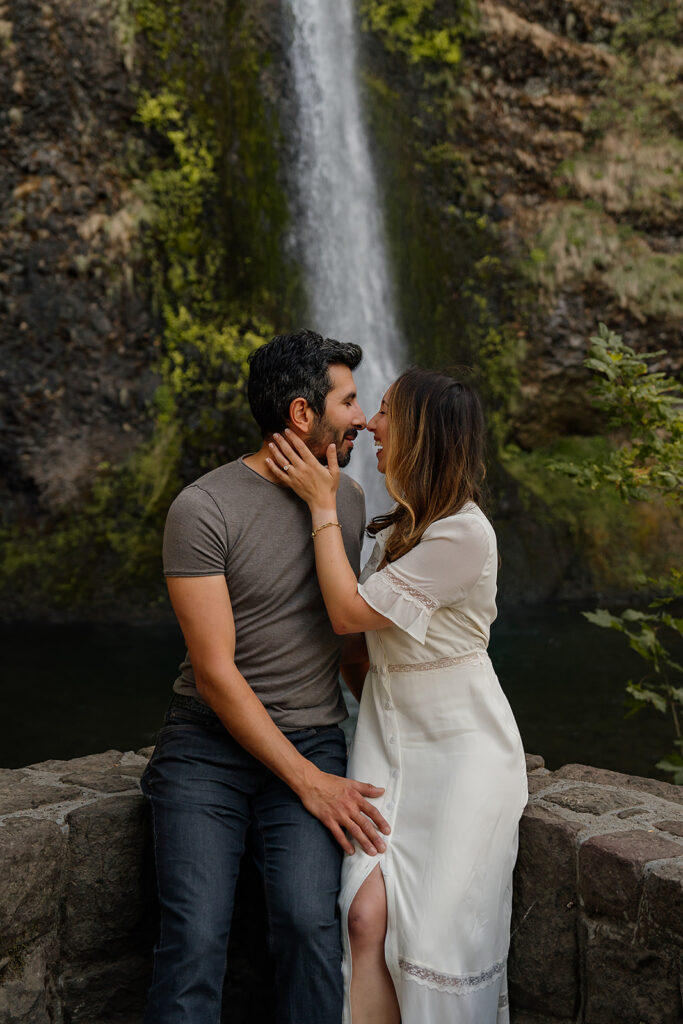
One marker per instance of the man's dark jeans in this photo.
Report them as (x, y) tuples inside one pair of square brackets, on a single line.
[(205, 792)]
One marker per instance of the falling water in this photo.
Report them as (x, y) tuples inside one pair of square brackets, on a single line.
[(339, 230)]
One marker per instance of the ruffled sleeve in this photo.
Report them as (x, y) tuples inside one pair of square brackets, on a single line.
[(439, 571)]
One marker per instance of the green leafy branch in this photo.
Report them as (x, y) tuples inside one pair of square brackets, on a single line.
[(644, 630), (648, 406)]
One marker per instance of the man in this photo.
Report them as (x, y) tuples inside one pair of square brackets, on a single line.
[(252, 735)]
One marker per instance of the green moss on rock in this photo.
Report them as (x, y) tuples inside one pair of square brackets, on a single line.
[(580, 244), (618, 543), (211, 214), (461, 304), (424, 31)]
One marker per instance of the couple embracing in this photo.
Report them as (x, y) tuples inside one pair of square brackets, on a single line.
[(262, 558)]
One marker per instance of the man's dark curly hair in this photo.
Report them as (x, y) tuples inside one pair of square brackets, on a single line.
[(294, 366)]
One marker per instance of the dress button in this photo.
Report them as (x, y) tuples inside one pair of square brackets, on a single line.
[(392, 739), (394, 773), (388, 706), (390, 806)]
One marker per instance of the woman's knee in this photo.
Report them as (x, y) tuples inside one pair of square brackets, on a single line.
[(367, 920)]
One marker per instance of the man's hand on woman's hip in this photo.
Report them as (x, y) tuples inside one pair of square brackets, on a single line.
[(342, 806)]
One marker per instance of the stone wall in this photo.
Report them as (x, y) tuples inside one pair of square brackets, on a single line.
[(598, 907), (598, 910), (75, 910)]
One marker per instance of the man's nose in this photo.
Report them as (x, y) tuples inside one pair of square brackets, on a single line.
[(359, 421)]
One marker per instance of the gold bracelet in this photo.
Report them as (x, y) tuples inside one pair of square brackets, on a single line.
[(324, 526)]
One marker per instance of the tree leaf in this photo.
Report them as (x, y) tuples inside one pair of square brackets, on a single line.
[(673, 764), (601, 617), (639, 692)]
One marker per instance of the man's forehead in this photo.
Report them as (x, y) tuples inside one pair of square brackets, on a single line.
[(341, 378)]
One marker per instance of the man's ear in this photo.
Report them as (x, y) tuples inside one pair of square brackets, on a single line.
[(301, 416)]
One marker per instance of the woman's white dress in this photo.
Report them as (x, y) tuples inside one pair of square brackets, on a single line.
[(436, 731)]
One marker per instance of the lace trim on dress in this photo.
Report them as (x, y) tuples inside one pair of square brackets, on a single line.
[(503, 1002), (473, 658), (460, 984), (400, 585)]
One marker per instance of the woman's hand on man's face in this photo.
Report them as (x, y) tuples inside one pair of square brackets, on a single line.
[(294, 465)]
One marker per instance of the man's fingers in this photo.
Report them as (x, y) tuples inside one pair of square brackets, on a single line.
[(345, 808), (338, 834), (366, 788), (372, 813), (370, 842)]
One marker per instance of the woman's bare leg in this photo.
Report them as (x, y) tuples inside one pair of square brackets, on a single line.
[(373, 997)]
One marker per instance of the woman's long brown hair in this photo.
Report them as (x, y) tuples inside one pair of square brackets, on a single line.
[(435, 459)]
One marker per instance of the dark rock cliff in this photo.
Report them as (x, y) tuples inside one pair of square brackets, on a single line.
[(555, 144), (576, 126), (77, 329), (535, 170)]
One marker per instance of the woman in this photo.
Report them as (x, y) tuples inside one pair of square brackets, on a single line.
[(426, 924)]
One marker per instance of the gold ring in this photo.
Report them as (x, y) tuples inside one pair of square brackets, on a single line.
[(285, 467)]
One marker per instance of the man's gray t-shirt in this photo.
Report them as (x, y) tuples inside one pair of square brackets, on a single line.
[(234, 522)]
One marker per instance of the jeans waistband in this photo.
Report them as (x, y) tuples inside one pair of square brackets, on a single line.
[(181, 700)]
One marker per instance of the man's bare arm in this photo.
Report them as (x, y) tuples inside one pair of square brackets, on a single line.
[(202, 606)]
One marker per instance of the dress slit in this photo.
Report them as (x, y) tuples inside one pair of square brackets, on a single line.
[(344, 909)]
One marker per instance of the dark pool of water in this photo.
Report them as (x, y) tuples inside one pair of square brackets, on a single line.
[(80, 689)]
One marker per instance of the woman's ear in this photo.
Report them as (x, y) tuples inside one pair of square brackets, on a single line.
[(301, 416)]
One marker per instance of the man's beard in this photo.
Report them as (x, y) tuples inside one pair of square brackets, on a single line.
[(324, 434)]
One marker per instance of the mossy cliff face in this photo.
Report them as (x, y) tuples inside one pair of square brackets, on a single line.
[(78, 335), (76, 332), (141, 239), (529, 156), (548, 136)]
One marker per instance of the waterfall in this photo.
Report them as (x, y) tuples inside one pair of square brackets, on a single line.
[(338, 230)]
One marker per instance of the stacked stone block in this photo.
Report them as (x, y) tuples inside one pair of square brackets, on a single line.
[(598, 905), (75, 904), (597, 915)]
